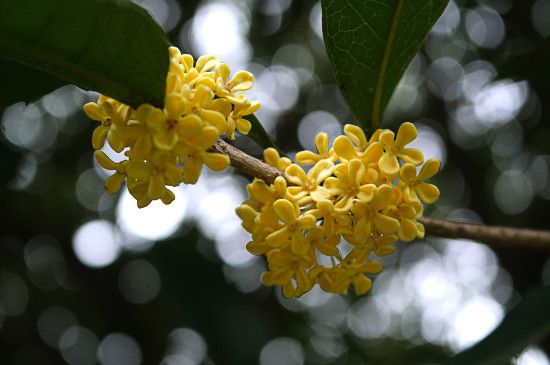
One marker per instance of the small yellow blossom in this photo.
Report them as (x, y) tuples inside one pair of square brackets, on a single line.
[(348, 195), (394, 147), (167, 146), (323, 149)]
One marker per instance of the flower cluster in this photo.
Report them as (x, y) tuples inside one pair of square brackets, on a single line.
[(356, 201), (168, 146)]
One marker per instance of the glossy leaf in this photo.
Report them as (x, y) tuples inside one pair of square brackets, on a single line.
[(525, 324), (113, 47), (370, 43)]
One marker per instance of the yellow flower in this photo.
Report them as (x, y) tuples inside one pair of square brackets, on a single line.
[(414, 185), (272, 158), (311, 158), (337, 279), (154, 174), (409, 228), (198, 104), (308, 185), (333, 222), (235, 119), (284, 266), (192, 152), (369, 215), (396, 148), (349, 184), (226, 88), (113, 117), (293, 230), (113, 182)]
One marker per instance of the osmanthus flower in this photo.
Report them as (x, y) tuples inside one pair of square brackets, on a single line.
[(394, 147), (289, 271), (370, 216), (113, 117), (413, 185), (273, 158), (338, 278), (351, 182), (228, 88), (236, 119), (346, 196), (201, 104), (323, 151), (293, 231), (113, 182), (308, 186), (192, 153), (406, 214)]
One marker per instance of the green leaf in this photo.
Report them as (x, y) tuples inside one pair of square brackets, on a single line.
[(113, 47), (370, 43), (524, 325), (20, 83)]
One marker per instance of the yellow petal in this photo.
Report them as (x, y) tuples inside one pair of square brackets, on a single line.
[(168, 197), (174, 105), (385, 250), (430, 168), (367, 192), (104, 161), (362, 284), (138, 170), (307, 158), (114, 182), (94, 112), (385, 224), (412, 155), (206, 63), (356, 134), (406, 134), (344, 148), (299, 244), (320, 171), (384, 196), (243, 125), (320, 193), (216, 161), (98, 137), (215, 119), (191, 171), (373, 152), (188, 126), (356, 172), (307, 221), (427, 192), (208, 137), (407, 173), (242, 81), (278, 238), (156, 186), (386, 138), (295, 175), (407, 230), (388, 165), (321, 142), (285, 211)]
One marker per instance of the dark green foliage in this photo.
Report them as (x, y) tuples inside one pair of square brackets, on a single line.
[(113, 47), (370, 43)]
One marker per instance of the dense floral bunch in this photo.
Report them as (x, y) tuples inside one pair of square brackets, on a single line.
[(166, 147), (355, 202)]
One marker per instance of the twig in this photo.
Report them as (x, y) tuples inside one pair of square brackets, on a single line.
[(494, 235)]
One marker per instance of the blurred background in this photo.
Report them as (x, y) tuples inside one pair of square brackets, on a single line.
[(87, 278)]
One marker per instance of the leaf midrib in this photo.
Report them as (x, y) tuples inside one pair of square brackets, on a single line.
[(384, 65)]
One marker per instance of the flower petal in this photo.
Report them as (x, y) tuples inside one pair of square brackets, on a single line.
[(430, 168), (427, 192), (412, 155), (285, 211), (344, 148), (406, 134), (388, 165)]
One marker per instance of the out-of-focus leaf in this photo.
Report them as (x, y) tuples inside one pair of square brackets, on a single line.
[(524, 325), (259, 134), (110, 46), (370, 43), (20, 83)]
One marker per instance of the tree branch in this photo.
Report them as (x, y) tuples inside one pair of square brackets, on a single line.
[(493, 235)]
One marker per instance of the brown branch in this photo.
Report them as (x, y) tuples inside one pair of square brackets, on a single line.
[(494, 235)]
